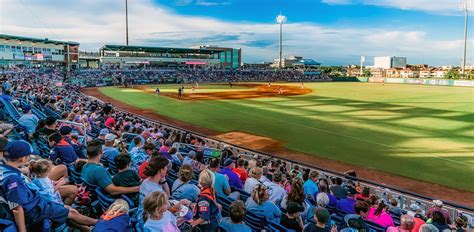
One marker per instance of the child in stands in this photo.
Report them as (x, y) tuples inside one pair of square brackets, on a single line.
[(51, 190), (28, 207), (156, 215), (235, 221), (115, 218)]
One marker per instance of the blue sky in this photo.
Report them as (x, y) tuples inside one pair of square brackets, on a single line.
[(335, 32)]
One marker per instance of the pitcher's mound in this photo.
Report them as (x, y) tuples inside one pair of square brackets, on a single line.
[(251, 141)]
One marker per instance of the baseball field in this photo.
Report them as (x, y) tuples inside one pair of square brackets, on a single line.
[(421, 132)]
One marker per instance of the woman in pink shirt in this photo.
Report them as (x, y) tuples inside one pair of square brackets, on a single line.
[(380, 215)]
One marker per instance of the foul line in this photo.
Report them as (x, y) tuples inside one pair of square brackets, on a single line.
[(343, 135)]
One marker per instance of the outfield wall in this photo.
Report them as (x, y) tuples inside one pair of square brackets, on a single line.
[(414, 81)]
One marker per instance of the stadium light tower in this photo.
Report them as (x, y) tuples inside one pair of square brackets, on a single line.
[(126, 22), (281, 19), (466, 6)]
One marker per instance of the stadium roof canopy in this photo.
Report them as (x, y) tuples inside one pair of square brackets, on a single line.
[(36, 40), (307, 62), (161, 49)]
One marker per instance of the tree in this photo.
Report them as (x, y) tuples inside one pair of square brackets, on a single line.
[(366, 73), (452, 74)]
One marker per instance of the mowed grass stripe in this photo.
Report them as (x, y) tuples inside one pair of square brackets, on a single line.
[(403, 129)]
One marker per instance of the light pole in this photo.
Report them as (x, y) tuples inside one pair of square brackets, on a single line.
[(126, 21), (466, 6), (362, 60), (281, 19)]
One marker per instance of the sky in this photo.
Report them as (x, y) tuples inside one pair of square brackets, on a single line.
[(334, 32)]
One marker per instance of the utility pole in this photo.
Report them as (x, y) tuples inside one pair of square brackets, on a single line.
[(126, 21), (281, 19)]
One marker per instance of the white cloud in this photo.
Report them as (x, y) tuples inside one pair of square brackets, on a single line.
[(97, 22), (212, 3), (433, 6)]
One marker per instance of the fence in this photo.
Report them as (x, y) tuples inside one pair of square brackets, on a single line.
[(405, 197)]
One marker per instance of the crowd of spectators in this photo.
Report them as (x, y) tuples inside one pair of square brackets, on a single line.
[(161, 180)]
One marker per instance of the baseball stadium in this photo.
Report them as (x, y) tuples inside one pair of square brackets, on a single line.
[(164, 137)]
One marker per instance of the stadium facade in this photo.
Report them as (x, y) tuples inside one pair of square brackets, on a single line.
[(30, 52), (202, 56)]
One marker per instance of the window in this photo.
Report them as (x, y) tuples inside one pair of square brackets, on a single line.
[(2, 48)]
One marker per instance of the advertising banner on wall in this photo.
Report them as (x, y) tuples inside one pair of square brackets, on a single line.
[(394, 80), (376, 79), (463, 83)]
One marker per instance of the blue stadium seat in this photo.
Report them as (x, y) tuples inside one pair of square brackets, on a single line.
[(225, 202), (257, 223), (274, 227), (374, 227), (7, 226)]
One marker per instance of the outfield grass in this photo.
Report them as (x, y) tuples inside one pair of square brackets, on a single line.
[(423, 132)]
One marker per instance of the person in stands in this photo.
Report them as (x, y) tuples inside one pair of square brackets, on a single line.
[(94, 174), (321, 216), (29, 120), (181, 188), (259, 204), (380, 214), (235, 221), (407, 223), (115, 218), (206, 212), (228, 170), (28, 207), (156, 214), (292, 219), (438, 206)]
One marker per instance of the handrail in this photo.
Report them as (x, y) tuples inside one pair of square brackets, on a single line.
[(383, 188)]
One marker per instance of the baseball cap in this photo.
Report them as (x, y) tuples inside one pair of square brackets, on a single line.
[(228, 162), (26, 108), (294, 207), (65, 130), (110, 137), (104, 131), (322, 215), (17, 149), (438, 203), (414, 207)]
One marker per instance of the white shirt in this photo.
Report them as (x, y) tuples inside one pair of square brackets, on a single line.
[(276, 192), (250, 184)]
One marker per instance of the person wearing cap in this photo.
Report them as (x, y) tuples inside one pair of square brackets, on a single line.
[(29, 120), (357, 220), (321, 216), (65, 132), (227, 170), (416, 213), (275, 191), (94, 174), (438, 206), (380, 214), (110, 152), (62, 151), (27, 206), (102, 134), (292, 219), (221, 184)]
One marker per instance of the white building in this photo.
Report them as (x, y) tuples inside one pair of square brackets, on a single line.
[(387, 62)]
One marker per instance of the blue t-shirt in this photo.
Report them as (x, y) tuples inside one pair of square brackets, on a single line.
[(228, 225), (96, 175), (109, 154), (30, 121), (63, 153), (234, 179), (166, 224), (15, 190), (267, 209), (310, 188), (138, 158), (346, 205), (184, 191), (118, 223), (146, 188), (220, 184), (46, 189)]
